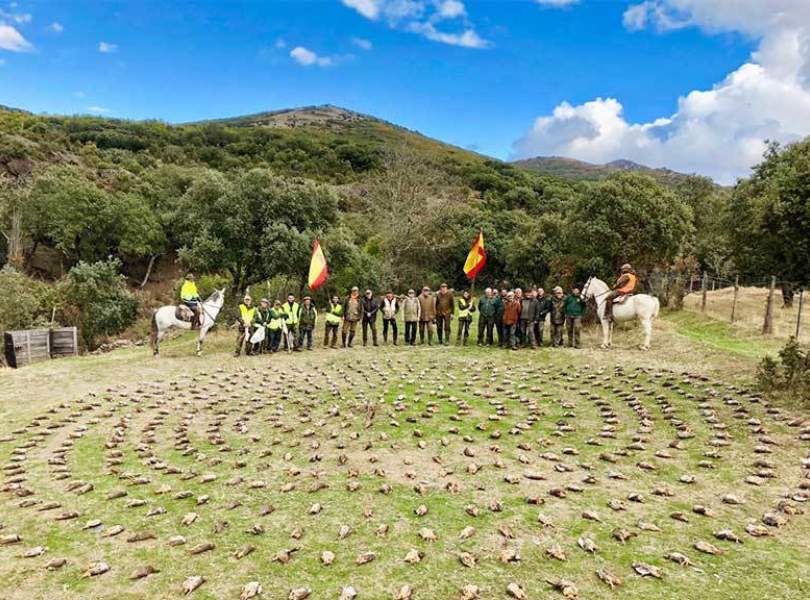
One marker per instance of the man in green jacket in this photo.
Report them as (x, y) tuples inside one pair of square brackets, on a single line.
[(307, 317), (262, 319), (574, 311), (500, 301), (486, 316)]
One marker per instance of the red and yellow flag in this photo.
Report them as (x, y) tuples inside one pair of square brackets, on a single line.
[(477, 257), (318, 269)]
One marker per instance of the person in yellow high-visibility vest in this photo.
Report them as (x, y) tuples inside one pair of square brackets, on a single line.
[(625, 284), (191, 298), (334, 315), (292, 314), (247, 313), (466, 307), (274, 326)]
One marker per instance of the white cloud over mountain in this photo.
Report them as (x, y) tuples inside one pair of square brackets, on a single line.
[(720, 132), (443, 21)]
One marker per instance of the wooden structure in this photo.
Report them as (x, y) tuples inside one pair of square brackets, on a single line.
[(25, 347), (64, 342)]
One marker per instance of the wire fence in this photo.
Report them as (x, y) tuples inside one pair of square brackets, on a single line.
[(765, 305)]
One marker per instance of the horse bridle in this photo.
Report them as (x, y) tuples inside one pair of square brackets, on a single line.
[(583, 295)]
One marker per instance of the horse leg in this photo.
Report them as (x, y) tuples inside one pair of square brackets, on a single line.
[(156, 345), (606, 326), (646, 324), (200, 339)]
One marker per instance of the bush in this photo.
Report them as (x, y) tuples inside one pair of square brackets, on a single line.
[(98, 301), (25, 303), (789, 375)]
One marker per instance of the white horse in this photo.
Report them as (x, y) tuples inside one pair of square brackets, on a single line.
[(638, 306), (165, 318)]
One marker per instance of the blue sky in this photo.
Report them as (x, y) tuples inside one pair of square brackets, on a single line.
[(477, 73)]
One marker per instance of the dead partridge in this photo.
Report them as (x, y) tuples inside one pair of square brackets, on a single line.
[(348, 593), (587, 544), (556, 552), (470, 592), (142, 572), (192, 583), (55, 563), (413, 556), (327, 557), (365, 557), (251, 590), (516, 591), (707, 548), (646, 570), (564, 586), (728, 536), (299, 593), (96, 568), (608, 578), (404, 593), (679, 558)]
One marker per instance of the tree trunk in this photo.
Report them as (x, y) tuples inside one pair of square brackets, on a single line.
[(149, 270)]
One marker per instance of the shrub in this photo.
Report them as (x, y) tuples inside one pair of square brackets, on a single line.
[(24, 302), (98, 301), (789, 375)]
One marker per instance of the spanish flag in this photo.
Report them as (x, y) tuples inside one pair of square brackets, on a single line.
[(477, 257), (318, 270)]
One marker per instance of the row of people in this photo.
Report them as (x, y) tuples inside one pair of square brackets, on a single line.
[(517, 318)]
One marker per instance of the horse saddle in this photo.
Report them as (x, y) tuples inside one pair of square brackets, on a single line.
[(621, 299), (185, 314)]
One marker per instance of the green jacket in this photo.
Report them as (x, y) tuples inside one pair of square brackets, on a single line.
[(498, 301), (574, 307), (307, 317), (262, 316), (557, 310), (486, 307)]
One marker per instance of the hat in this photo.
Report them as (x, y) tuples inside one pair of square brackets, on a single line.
[(626, 267), (355, 289), (308, 298), (247, 297), (557, 290), (443, 285), (264, 301)]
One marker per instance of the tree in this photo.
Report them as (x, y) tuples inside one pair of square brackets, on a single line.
[(98, 301), (254, 227), (769, 217), (628, 217)]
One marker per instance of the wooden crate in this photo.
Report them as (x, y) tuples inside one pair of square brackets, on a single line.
[(64, 342), (26, 347)]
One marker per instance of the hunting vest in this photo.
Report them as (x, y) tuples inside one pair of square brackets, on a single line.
[(334, 314), (292, 311), (463, 310)]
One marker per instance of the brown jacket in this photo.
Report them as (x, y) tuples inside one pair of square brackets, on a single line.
[(511, 312), (445, 304), (427, 305)]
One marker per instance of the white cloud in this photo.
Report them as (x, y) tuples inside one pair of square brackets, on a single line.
[(466, 39), (22, 19), (363, 44), (368, 8), (306, 57), (56, 27), (98, 110), (556, 3), (422, 17), (107, 48), (13, 40), (720, 132), (450, 9)]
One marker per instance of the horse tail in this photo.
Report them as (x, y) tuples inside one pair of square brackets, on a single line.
[(153, 331)]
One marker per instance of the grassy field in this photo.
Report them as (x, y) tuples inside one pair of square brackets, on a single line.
[(388, 455)]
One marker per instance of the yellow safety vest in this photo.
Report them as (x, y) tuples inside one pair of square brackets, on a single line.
[(463, 309), (291, 311), (247, 314), (334, 314), (189, 291)]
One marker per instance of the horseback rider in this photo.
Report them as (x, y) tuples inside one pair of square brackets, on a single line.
[(191, 298), (625, 285)]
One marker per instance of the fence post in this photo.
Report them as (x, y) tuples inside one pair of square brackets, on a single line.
[(767, 326), (704, 287), (736, 294), (799, 315)]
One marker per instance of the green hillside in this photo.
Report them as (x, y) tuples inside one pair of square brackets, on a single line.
[(578, 170)]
